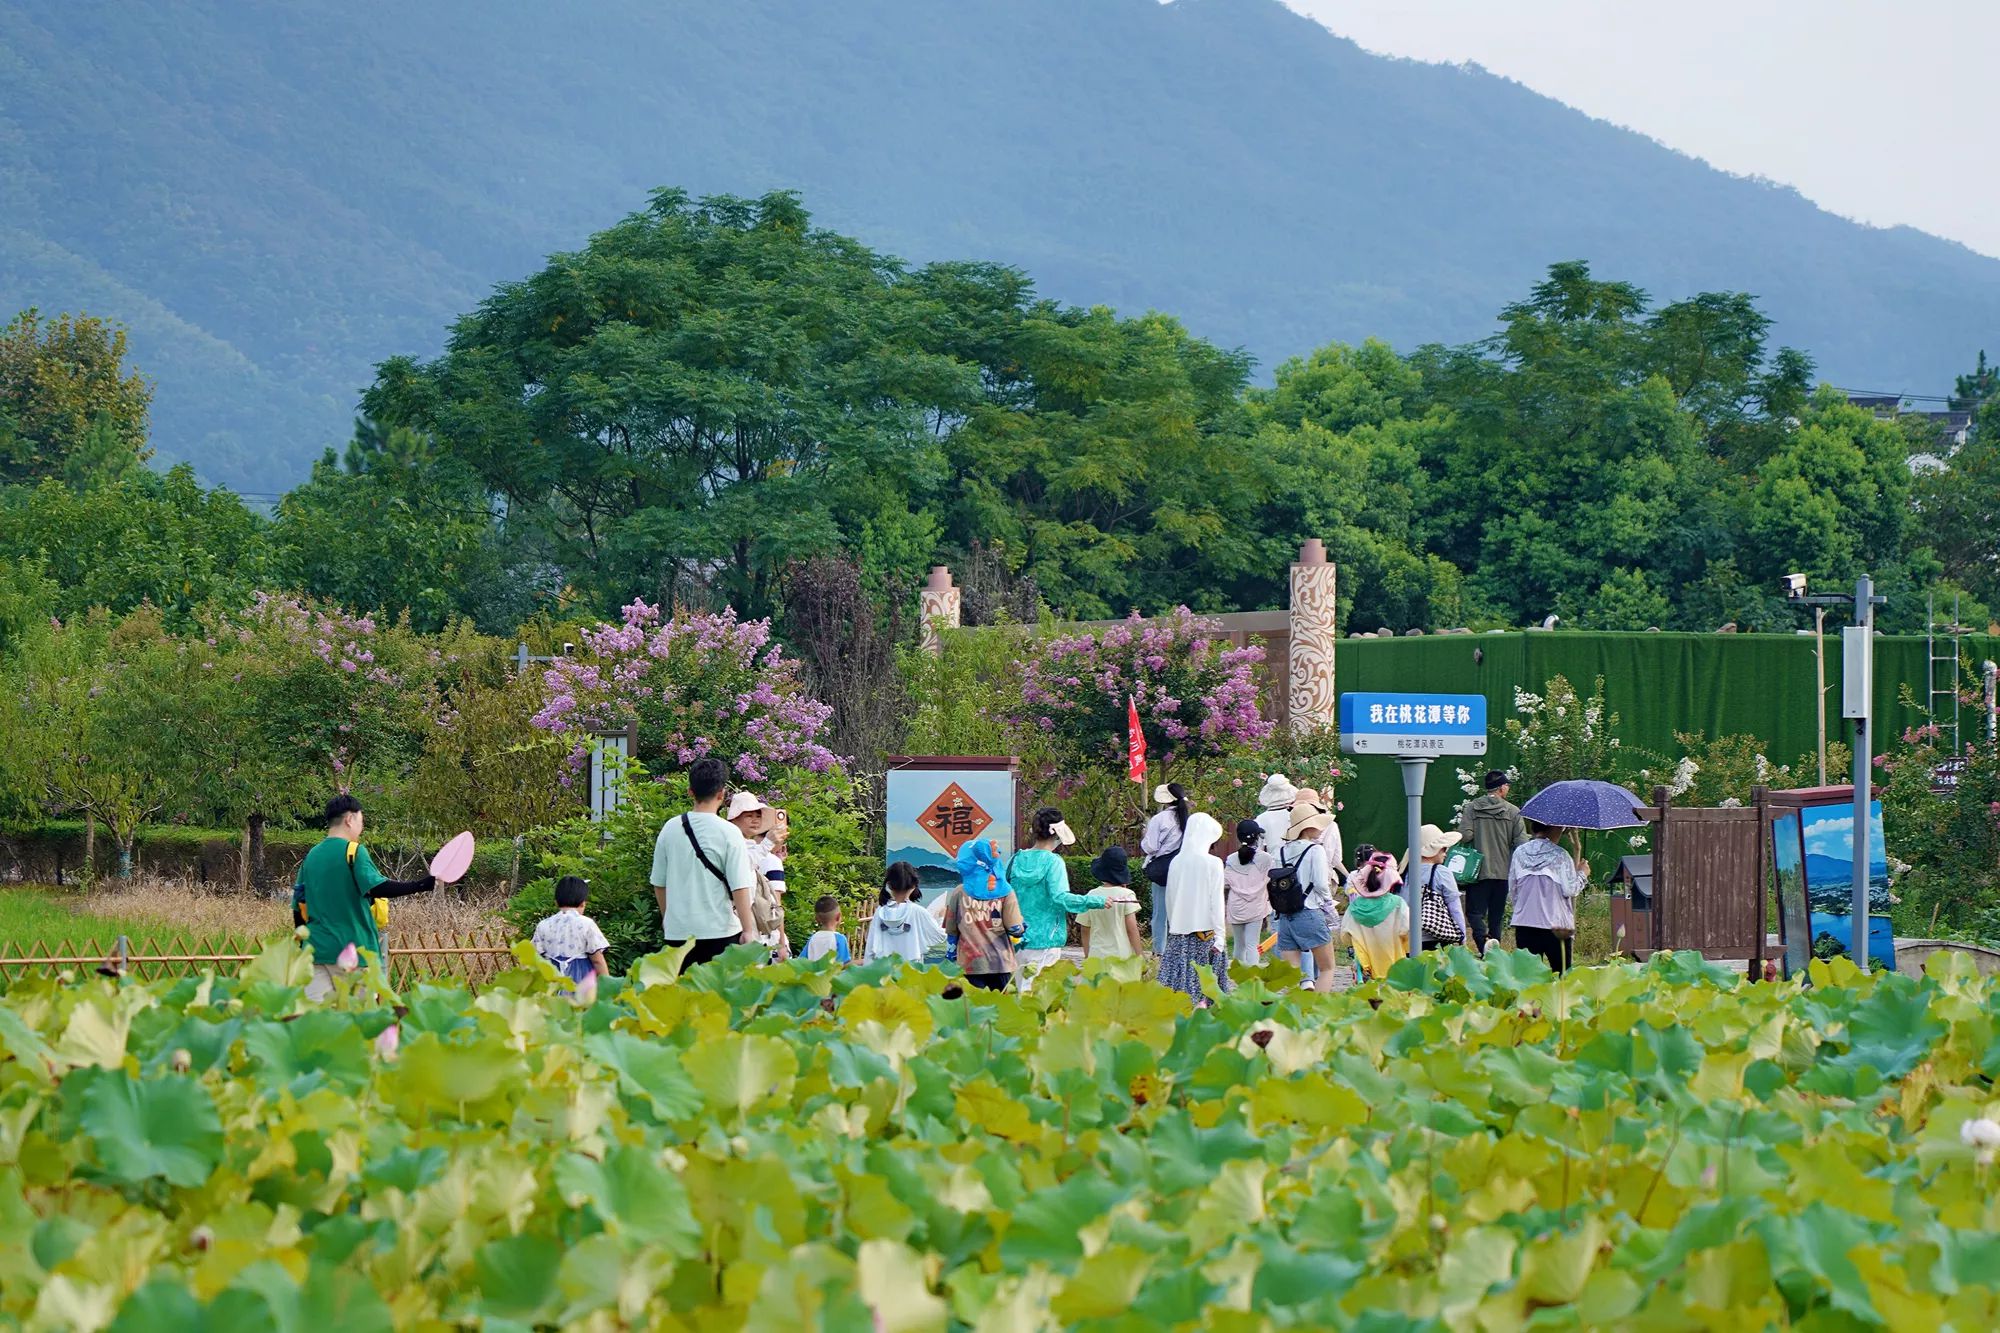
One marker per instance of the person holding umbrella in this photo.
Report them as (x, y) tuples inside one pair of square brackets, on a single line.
[(1544, 878)]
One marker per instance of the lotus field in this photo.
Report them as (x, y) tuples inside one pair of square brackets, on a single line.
[(1462, 1144)]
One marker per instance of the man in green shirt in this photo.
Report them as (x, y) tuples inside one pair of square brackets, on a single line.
[(334, 896)]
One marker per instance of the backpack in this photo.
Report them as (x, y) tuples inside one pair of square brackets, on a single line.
[(767, 910), (1288, 892)]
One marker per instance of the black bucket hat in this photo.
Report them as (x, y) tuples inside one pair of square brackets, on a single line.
[(1112, 866)]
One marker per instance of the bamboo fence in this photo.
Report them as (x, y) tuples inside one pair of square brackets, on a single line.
[(470, 957)]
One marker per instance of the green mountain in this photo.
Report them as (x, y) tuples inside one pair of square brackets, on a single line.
[(275, 197)]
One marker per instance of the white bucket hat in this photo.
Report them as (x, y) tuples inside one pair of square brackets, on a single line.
[(744, 803), (1278, 792)]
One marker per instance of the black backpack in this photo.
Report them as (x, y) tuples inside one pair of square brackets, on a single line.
[(1288, 894)]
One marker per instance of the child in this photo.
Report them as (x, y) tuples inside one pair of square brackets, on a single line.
[(901, 928), (828, 939), (570, 940), (1378, 922), (1112, 931), (982, 919), (1247, 878)]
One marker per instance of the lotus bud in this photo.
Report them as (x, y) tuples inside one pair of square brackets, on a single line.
[(350, 958), (586, 991), (388, 1041)]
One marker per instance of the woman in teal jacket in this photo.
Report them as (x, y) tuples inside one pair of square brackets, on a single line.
[(1041, 886)]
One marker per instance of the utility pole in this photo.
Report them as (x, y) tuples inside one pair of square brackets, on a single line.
[(1858, 680), (1857, 690), (1819, 696)]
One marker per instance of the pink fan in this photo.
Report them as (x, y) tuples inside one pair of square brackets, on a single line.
[(453, 860)]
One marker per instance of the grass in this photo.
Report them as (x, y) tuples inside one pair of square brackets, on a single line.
[(148, 908)]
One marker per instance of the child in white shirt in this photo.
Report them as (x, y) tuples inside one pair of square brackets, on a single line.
[(828, 941), (569, 940), (1112, 931), (901, 928)]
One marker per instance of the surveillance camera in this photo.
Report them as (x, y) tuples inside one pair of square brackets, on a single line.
[(1795, 586)]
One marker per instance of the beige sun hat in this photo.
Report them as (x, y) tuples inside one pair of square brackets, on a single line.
[(745, 803), (1161, 796), (1307, 822), (1430, 841)]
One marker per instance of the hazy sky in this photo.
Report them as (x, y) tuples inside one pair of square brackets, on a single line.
[(1878, 111)]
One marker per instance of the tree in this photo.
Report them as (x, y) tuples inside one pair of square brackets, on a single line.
[(1111, 459), (1346, 451), (1971, 392), (68, 409), (703, 394), (396, 527), (141, 538), (1955, 506)]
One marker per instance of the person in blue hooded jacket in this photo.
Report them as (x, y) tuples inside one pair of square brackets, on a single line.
[(982, 920), (1041, 882)]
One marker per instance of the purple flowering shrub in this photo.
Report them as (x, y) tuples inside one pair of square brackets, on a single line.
[(1197, 696), (341, 691), (696, 684)]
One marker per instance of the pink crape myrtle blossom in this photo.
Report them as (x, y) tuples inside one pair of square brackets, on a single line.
[(694, 683), (1196, 695)]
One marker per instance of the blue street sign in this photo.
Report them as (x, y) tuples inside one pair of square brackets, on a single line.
[(1413, 725)]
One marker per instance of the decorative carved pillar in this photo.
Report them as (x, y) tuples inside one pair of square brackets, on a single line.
[(1313, 703), (937, 608)]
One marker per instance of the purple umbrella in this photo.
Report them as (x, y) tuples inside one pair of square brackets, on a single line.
[(1584, 803)]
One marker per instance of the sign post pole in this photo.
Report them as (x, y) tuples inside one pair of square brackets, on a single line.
[(1414, 772), (1413, 729)]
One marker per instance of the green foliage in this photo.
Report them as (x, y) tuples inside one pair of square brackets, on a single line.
[(1465, 1143), (1110, 455), (68, 409), (1724, 770), (484, 764), (1944, 850), (707, 392), (398, 530), (145, 538)]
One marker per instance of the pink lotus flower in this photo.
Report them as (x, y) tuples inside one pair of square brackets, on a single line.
[(350, 958), (586, 992), (388, 1041)]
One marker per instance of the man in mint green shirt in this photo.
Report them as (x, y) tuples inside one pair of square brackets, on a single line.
[(335, 893), (701, 872)]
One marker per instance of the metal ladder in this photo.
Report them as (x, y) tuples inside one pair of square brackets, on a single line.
[(1942, 678)]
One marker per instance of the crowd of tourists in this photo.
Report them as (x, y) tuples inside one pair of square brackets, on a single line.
[(1284, 882)]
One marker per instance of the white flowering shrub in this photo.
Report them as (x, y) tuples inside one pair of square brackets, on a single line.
[(1559, 734)]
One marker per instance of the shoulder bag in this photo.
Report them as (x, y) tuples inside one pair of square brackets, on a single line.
[(1435, 916)]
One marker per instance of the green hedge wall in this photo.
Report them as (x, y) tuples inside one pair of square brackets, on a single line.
[(1658, 684)]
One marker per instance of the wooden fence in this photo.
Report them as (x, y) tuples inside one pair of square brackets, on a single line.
[(471, 958)]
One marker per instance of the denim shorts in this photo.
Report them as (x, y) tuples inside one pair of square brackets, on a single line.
[(1302, 932)]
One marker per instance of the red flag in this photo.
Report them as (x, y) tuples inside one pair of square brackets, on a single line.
[(1135, 743)]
